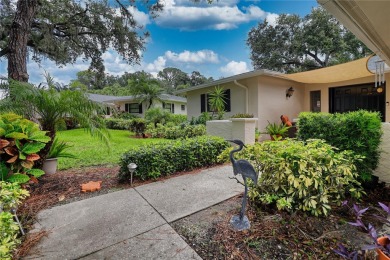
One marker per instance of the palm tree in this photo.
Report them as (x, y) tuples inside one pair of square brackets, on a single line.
[(48, 106), (145, 89)]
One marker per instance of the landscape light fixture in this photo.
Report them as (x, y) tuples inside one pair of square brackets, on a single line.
[(289, 92), (132, 167)]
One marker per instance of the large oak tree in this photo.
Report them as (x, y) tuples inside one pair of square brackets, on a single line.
[(63, 30), (299, 44)]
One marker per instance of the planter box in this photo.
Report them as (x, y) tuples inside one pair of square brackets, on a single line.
[(236, 128)]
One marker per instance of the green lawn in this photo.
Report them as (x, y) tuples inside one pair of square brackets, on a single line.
[(91, 151)]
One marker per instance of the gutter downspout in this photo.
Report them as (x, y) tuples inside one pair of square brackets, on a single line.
[(246, 95)]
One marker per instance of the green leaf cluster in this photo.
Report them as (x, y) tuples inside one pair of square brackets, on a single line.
[(172, 156), (172, 131), (295, 175), (11, 195), (358, 131), (8, 235), (294, 43), (20, 142)]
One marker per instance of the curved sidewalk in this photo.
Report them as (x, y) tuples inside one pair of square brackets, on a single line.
[(132, 223)]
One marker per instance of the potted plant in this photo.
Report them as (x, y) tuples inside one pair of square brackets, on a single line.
[(276, 131), (57, 150)]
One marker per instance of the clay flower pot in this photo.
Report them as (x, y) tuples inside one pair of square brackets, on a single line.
[(50, 166), (381, 255)]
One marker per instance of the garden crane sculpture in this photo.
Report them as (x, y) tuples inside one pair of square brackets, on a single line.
[(246, 170)]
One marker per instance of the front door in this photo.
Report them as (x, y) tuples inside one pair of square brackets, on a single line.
[(352, 98), (315, 101)]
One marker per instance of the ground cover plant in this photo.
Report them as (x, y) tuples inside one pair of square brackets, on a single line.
[(91, 151), (358, 131)]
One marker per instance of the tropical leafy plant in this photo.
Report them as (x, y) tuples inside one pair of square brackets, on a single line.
[(20, 142)]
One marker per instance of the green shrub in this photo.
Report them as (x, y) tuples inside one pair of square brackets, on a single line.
[(20, 142), (61, 125), (11, 195), (202, 119), (124, 115), (172, 156), (298, 176), (171, 131), (157, 116), (138, 126), (242, 115), (118, 123), (358, 131), (177, 119), (8, 235)]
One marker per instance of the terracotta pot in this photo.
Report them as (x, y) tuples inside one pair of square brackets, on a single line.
[(382, 241), (50, 166)]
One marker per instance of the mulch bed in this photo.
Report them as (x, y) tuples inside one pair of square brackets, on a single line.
[(274, 234)]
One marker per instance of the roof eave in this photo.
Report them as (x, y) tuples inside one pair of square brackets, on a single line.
[(246, 75)]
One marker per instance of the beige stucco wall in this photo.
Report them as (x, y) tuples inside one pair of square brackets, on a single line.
[(272, 101), (237, 97), (324, 88), (383, 170), (236, 128)]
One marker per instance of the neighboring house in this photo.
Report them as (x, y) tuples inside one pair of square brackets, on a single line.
[(340, 88), (171, 103)]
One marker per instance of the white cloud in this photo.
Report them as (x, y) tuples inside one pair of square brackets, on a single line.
[(222, 16), (141, 18), (234, 68), (202, 56), (271, 19)]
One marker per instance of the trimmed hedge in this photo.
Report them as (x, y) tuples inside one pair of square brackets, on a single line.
[(118, 123), (171, 131), (172, 156), (358, 131)]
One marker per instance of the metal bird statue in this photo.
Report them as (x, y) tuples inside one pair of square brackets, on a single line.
[(246, 170)]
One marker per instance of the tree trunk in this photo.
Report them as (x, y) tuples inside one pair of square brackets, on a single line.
[(19, 35)]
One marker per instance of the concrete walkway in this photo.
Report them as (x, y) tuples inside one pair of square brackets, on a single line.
[(133, 223)]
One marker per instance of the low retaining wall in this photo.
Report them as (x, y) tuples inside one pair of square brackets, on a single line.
[(383, 170), (236, 128)]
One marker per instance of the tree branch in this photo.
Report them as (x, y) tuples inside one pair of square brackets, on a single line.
[(4, 52)]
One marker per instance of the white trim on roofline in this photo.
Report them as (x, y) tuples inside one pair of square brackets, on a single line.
[(245, 75)]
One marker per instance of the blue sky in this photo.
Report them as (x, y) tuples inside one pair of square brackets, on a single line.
[(207, 38)]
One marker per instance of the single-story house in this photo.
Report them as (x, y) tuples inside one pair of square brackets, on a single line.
[(268, 94), (174, 104)]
